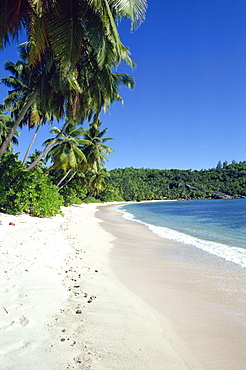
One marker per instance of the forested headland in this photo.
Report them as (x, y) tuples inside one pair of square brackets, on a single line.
[(131, 184)]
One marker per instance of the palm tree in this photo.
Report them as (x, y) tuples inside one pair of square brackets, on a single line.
[(48, 146), (41, 165), (25, 83), (99, 89), (79, 172), (70, 43), (6, 142), (97, 181), (96, 151), (32, 99), (35, 119), (6, 123), (67, 27), (66, 154)]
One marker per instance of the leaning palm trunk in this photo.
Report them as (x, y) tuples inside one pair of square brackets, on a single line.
[(49, 169), (30, 145), (47, 148), (6, 142), (70, 178), (64, 177)]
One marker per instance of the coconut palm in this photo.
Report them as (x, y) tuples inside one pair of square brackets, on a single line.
[(33, 99), (99, 89), (66, 154), (26, 83), (68, 38), (80, 172), (6, 123), (41, 165), (67, 27), (96, 151), (70, 43), (19, 82), (98, 180), (71, 47), (35, 120), (29, 99)]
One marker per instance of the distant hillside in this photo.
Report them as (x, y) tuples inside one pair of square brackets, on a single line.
[(227, 181)]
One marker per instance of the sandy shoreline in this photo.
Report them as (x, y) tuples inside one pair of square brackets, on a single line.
[(71, 300), (203, 297)]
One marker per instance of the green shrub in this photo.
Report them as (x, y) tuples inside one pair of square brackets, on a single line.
[(73, 193), (91, 200), (26, 192), (70, 196)]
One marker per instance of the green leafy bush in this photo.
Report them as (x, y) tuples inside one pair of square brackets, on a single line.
[(70, 196), (74, 192), (26, 192), (91, 200)]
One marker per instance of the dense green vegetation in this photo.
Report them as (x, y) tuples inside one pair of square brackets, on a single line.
[(227, 180), (29, 192), (67, 72), (42, 191), (68, 60), (75, 173)]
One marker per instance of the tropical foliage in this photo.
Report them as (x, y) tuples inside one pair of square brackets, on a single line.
[(69, 54), (71, 28), (29, 192), (66, 71), (130, 184), (6, 123), (96, 149), (67, 153)]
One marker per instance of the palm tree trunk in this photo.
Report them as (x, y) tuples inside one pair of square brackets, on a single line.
[(90, 194), (6, 142), (41, 155), (70, 178), (49, 169), (31, 144), (64, 177)]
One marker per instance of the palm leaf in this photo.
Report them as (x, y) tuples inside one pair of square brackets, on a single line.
[(133, 9), (66, 32)]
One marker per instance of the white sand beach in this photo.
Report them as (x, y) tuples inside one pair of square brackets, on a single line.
[(67, 304)]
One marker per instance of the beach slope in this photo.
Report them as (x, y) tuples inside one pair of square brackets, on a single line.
[(88, 290), (61, 305)]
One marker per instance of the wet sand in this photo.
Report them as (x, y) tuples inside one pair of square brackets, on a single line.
[(200, 296)]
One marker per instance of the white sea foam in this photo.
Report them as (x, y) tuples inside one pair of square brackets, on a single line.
[(232, 254)]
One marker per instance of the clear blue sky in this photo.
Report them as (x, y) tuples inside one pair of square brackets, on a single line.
[(188, 109)]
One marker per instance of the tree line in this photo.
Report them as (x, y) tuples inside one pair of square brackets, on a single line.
[(131, 184), (66, 72)]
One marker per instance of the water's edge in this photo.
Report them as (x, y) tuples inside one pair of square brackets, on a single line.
[(221, 250)]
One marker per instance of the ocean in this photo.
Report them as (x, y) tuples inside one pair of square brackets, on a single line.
[(217, 227)]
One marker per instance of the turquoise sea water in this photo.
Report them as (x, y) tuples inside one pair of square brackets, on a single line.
[(215, 226)]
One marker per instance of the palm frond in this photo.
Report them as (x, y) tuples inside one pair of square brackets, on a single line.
[(66, 31), (133, 9), (13, 14), (38, 39)]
